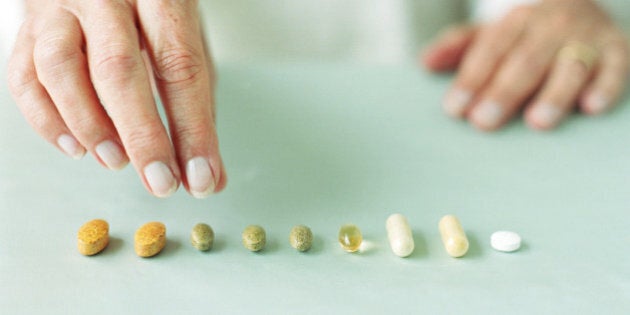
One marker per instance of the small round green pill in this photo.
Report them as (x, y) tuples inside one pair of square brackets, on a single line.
[(301, 238), (254, 238), (202, 237)]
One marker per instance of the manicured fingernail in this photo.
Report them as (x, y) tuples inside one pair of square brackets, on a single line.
[(546, 115), (200, 179), (111, 154), (160, 179), (456, 101), (488, 114), (596, 103), (71, 146)]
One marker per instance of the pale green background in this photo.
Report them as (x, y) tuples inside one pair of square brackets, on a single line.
[(322, 145), (310, 138)]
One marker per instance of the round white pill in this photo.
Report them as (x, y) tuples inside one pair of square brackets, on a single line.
[(505, 241)]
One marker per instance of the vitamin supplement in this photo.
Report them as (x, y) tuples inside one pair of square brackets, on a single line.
[(93, 237), (301, 238), (202, 237), (399, 235), (150, 239), (453, 236), (254, 238), (350, 238), (505, 241)]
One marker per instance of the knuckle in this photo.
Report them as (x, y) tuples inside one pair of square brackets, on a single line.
[(51, 54), (41, 122), (144, 135), (116, 64), (491, 44), (528, 56), (562, 20), (85, 127), (194, 131), (518, 13), (20, 79), (179, 65)]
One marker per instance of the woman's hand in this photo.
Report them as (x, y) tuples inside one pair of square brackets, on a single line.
[(549, 58), (82, 72)]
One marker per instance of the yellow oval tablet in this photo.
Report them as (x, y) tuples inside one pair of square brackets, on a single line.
[(150, 239), (93, 237)]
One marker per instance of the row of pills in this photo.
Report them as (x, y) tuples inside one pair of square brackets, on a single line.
[(150, 238), (401, 241)]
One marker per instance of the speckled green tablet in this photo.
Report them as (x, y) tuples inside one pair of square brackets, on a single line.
[(202, 237), (254, 238), (301, 238)]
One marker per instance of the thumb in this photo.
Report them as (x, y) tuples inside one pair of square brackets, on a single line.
[(446, 51)]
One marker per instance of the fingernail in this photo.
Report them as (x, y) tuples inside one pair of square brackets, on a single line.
[(111, 154), (488, 114), (596, 103), (160, 179), (456, 101), (71, 146), (546, 115), (200, 179)]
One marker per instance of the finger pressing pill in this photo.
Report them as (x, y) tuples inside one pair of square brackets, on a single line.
[(505, 241), (453, 236), (150, 239), (350, 238), (202, 237), (254, 238), (301, 238), (399, 235), (93, 237)]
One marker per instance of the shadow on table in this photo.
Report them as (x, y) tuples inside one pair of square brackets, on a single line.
[(317, 247), (474, 247), (114, 246), (171, 248), (421, 249)]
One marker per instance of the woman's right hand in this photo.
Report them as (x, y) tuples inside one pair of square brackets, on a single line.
[(79, 77)]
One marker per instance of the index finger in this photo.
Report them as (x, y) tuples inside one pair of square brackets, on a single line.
[(184, 78), (122, 83)]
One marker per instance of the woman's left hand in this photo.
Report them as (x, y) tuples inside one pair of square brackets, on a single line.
[(548, 58)]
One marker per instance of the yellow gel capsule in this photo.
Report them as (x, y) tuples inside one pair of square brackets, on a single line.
[(350, 238), (453, 236)]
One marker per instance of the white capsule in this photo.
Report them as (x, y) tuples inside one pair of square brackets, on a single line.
[(399, 235), (505, 241), (453, 236)]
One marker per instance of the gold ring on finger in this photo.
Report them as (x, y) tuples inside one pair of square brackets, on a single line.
[(578, 51)]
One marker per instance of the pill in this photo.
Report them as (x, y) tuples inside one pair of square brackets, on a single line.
[(399, 235), (150, 239), (453, 236), (301, 238), (93, 237), (505, 241), (202, 237), (350, 238), (254, 238)]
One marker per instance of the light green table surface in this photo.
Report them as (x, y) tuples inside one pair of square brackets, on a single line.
[(323, 145)]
